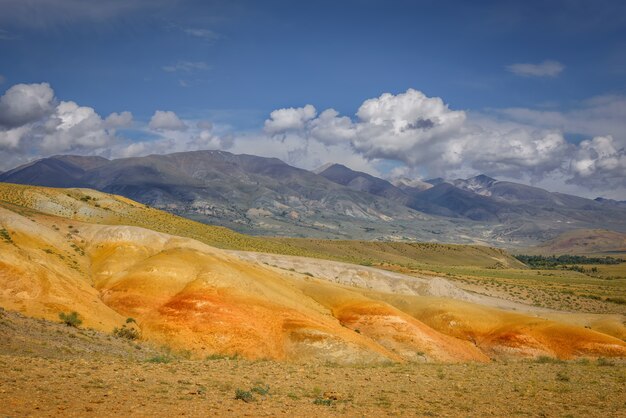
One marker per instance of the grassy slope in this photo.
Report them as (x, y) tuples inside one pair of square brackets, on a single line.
[(117, 210)]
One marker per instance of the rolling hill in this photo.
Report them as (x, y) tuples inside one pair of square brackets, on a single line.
[(69, 250)]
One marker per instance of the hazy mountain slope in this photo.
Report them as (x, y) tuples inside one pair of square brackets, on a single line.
[(265, 196), (364, 182)]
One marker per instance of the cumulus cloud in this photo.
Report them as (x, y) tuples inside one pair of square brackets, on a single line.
[(73, 126), (599, 162), (24, 103), (546, 68), (34, 123), (187, 66), (119, 120), (10, 139), (427, 136), (289, 119), (166, 120)]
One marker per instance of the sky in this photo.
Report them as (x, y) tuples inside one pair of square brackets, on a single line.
[(528, 91)]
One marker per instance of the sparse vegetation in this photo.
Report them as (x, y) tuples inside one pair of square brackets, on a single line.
[(71, 319), (129, 333), (160, 359), (565, 261), (244, 395), (6, 236)]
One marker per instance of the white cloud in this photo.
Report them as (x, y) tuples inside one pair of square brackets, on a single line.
[(401, 127), (73, 126), (166, 121), (10, 139), (187, 66), (289, 119), (24, 103), (599, 162), (119, 120), (546, 68), (600, 115), (35, 124)]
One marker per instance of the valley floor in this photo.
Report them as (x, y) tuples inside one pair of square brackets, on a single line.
[(49, 369)]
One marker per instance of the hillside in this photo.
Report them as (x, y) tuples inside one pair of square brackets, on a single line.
[(93, 206), (583, 241), (191, 296)]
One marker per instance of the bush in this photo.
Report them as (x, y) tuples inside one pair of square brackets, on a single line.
[(128, 333), (71, 319), (159, 359), (261, 389), (244, 395), (322, 401)]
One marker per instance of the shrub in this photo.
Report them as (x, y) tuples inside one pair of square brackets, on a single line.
[(261, 390), (322, 401), (604, 362), (71, 319), (161, 359), (128, 333), (6, 236), (562, 377), (244, 395)]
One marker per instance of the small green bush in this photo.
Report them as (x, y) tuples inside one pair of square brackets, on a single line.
[(244, 395), (322, 401), (71, 319), (161, 359), (261, 389), (125, 332)]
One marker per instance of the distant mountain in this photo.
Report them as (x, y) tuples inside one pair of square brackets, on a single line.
[(411, 185), (363, 182), (267, 196), (248, 193), (611, 202)]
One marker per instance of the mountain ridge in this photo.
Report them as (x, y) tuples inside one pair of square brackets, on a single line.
[(267, 196)]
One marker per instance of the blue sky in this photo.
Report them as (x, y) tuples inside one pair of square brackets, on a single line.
[(533, 65)]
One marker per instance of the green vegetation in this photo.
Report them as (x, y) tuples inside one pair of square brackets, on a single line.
[(71, 319), (322, 401), (261, 389), (244, 395), (160, 359), (553, 261), (126, 332), (6, 236)]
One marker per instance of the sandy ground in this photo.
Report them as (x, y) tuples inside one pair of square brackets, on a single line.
[(49, 369)]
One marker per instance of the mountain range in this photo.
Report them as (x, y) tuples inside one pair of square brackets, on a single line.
[(266, 196)]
